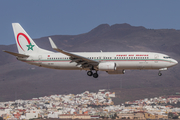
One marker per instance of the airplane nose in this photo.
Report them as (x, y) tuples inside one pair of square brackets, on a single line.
[(175, 62)]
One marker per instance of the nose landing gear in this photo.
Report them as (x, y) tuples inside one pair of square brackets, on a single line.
[(90, 73), (160, 74)]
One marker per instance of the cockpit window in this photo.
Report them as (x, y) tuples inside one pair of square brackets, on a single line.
[(166, 57)]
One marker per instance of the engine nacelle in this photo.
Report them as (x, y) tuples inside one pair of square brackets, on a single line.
[(107, 66), (116, 72)]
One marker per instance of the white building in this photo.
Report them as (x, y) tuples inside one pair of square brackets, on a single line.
[(31, 115)]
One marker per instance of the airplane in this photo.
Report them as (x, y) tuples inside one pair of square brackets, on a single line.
[(92, 62)]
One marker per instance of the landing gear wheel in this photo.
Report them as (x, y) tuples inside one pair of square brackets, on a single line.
[(95, 75), (89, 73), (159, 73)]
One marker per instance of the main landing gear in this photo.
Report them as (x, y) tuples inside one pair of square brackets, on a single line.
[(159, 73), (90, 73)]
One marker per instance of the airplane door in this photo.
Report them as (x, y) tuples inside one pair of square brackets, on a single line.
[(40, 59), (156, 57)]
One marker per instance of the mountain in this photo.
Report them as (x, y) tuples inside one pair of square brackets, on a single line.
[(19, 80)]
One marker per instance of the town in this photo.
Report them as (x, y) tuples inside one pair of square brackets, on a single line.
[(89, 105)]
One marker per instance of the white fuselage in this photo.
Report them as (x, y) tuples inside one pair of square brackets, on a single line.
[(111, 62), (123, 60)]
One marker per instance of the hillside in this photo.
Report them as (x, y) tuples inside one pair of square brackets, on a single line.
[(22, 81)]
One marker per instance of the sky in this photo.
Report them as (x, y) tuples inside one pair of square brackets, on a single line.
[(42, 18)]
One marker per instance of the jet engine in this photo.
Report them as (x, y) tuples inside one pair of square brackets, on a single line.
[(107, 66)]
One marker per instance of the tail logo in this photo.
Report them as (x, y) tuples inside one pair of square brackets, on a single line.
[(30, 46)]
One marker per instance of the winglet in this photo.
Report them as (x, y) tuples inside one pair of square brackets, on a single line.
[(52, 44)]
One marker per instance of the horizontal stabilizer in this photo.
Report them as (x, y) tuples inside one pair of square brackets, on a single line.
[(16, 54)]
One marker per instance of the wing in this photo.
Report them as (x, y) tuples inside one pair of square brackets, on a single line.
[(80, 60), (16, 54)]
